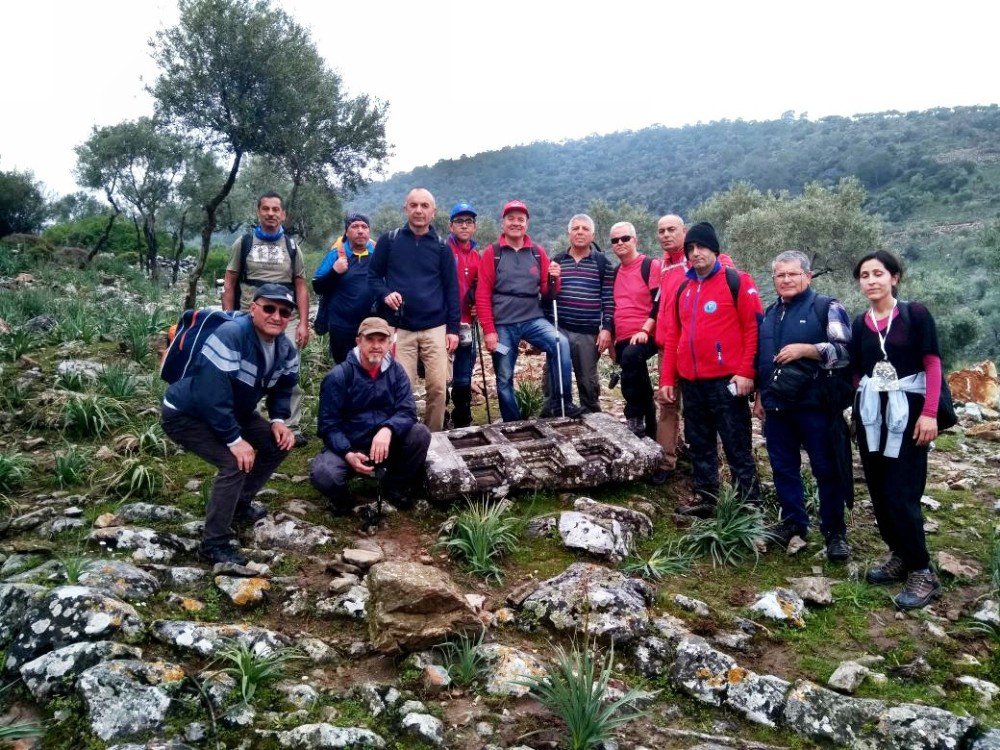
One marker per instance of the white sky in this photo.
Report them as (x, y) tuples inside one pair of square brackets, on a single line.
[(471, 76)]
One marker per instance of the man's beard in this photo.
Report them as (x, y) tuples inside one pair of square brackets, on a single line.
[(373, 360)]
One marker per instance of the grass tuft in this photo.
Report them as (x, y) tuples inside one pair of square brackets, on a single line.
[(530, 398), (732, 534), (71, 467), (14, 470), (91, 415), (671, 559), (252, 669), (463, 659), (481, 534)]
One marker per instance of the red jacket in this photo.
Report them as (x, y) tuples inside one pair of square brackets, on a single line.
[(487, 280), (467, 265), (674, 270), (713, 337)]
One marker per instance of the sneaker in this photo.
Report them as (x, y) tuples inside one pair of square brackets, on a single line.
[(637, 426), (837, 548), (783, 533), (222, 553), (892, 570), (697, 507), (920, 588), (249, 513), (659, 477)]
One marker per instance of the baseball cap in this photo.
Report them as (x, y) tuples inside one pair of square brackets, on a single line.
[(277, 292), (514, 206), (462, 208), (374, 325)]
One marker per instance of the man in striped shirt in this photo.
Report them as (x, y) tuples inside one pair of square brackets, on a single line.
[(586, 310)]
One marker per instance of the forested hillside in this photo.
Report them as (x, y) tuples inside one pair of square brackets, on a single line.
[(941, 164)]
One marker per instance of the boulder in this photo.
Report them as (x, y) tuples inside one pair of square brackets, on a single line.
[(55, 672), (914, 727), (146, 512), (287, 532), (69, 614), (978, 384), (506, 667), (605, 602), (760, 698), (635, 524), (414, 606), (205, 639), (147, 545), (120, 579), (825, 715), (328, 737), (654, 655), (987, 741), (701, 671), (127, 697), (15, 600)]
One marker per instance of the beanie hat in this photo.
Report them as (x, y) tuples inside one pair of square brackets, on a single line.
[(351, 218), (702, 233)]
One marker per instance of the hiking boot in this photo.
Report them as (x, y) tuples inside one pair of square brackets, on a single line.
[(837, 548), (697, 507), (340, 502), (222, 553), (785, 531), (249, 513), (637, 426), (660, 477), (398, 498), (891, 570), (300, 439), (920, 588)]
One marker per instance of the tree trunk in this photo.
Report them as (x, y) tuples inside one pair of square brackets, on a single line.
[(138, 244), (152, 248), (191, 299), (179, 246), (105, 236), (290, 206)]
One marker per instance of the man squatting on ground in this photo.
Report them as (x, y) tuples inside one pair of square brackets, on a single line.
[(212, 412), (514, 274), (412, 273), (367, 417), (270, 261)]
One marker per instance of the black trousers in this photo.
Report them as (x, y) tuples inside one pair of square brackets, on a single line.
[(341, 343), (896, 486), (407, 455), (232, 486), (636, 385), (711, 412)]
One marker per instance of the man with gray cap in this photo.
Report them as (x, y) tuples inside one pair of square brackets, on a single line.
[(212, 411), (342, 283), (368, 421)]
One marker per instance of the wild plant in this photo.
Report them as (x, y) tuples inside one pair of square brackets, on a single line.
[(576, 691), (118, 382), (995, 562), (670, 559), (463, 659), (70, 467), (74, 565), (21, 730), (137, 327), (13, 395), (252, 669), (19, 341), (91, 415), (71, 380), (732, 534), (481, 534), (136, 479), (76, 323), (14, 471), (530, 398)]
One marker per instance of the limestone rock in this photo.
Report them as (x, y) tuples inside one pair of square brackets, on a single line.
[(813, 589), (328, 737), (955, 567), (425, 727), (55, 672), (607, 602), (353, 603), (205, 638), (414, 606), (287, 532), (701, 671), (847, 677), (604, 538), (760, 698), (147, 545), (989, 612), (915, 727), (15, 600), (825, 715), (69, 614), (362, 558), (506, 666), (654, 655), (692, 605), (635, 524), (85, 368), (986, 690), (988, 741), (978, 384), (129, 696), (120, 579), (781, 604), (243, 592), (146, 512), (297, 694)]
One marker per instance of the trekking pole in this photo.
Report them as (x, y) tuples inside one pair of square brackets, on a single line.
[(555, 320), (482, 368)]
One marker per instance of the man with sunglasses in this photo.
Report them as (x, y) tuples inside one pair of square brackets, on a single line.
[(635, 287), (212, 412), (267, 255)]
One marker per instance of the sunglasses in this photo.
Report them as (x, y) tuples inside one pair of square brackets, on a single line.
[(284, 312), (623, 238)]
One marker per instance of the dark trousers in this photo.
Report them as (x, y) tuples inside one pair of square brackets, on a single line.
[(583, 354), (787, 432), (896, 486), (341, 343), (636, 385), (232, 486), (330, 472), (711, 412)]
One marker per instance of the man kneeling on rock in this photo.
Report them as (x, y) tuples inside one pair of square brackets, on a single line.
[(367, 421), (213, 413)]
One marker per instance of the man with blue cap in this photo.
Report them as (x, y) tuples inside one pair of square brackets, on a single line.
[(463, 247)]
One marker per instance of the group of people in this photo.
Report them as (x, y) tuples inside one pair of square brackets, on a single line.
[(412, 303)]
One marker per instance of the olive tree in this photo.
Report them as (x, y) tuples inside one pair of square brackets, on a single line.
[(22, 205)]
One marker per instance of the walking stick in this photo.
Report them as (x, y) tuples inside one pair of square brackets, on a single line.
[(477, 332), (555, 320)]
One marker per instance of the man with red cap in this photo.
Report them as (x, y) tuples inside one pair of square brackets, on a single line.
[(514, 275)]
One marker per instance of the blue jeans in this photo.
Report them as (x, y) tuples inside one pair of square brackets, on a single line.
[(461, 365), (787, 432), (539, 333)]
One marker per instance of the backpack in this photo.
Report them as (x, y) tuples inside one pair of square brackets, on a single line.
[(732, 279), (534, 252), (245, 245), (645, 270), (946, 415), (190, 334)]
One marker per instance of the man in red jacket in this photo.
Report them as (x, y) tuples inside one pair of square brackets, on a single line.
[(709, 351)]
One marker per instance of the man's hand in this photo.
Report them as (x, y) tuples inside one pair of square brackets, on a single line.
[(758, 408), (393, 300), (744, 386), (925, 430), (356, 460), (491, 340), (603, 341), (379, 451), (283, 436), (792, 352), (452, 342), (302, 333), (640, 337), (244, 454), (555, 270), (340, 265), (667, 394)]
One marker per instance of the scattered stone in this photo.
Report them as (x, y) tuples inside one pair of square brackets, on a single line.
[(931, 526), (147, 545), (414, 606), (985, 689), (600, 537), (128, 696), (937, 631), (701, 671), (298, 694), (506, 667), (847, 677), (813, 589), (287, 532), (976, 385), (781, 604), (737, 641), (985, 431), (328, 737), (55, 672), (988, 741), (353, 603), (317, 650), (930, 502), (634, 523), (760, 698), (692, 605), (342, 583), (434, 678), (424, 727), (185, 603), (989, 612), (85, 368), (120, 579), (605, 602), (541, 527), (243, 592), (205, 639), (193, 485), (362, 558), (795, 545), (147, 512), (955, 567), (106, 520)]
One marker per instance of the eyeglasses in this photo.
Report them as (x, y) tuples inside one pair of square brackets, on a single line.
[(791, 276), (284, 312), (623, 238), (463, 222)]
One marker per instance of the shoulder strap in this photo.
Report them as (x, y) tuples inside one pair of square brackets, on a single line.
[(821, 304), (292, 249), (677, 297), (245, 244), (733, 279), (647, 266)]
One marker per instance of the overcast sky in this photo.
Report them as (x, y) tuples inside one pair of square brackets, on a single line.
[(472, 76)]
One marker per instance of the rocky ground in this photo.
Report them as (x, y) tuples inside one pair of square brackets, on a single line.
[(116, 636)]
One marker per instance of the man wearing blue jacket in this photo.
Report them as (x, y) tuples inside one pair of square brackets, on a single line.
[(368, 419), (413, 277), (213, 413), (342, 281)]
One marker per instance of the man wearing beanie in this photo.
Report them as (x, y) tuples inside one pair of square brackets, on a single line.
[(709, 350), (342, 281)]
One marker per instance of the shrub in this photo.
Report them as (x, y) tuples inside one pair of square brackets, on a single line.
[(252, 668), (530, 398), (481, 534), (14, 470), (732, 534)]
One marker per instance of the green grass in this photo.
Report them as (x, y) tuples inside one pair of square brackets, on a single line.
[(483, 533), (252, 669), (71, 467), (14, 471), (462, 658), (731, 535), (89, 415)]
